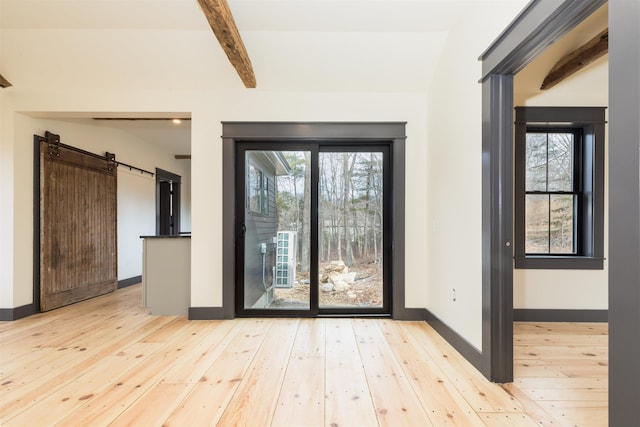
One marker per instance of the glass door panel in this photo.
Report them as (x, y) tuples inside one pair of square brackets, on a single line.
[(276, 229), (350, 230)]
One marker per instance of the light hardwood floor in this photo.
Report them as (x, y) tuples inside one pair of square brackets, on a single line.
[(561, 372), (107, 361)]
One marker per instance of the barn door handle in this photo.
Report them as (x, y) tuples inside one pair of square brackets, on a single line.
[(243, 230)]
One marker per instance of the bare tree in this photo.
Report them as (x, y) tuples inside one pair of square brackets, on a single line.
[(306, 226)]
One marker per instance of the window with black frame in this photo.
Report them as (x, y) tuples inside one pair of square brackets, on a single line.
[(257, 191), (559, 187)]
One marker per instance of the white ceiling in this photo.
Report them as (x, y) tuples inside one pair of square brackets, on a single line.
[(294, 45)]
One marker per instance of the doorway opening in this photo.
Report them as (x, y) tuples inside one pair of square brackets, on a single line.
[(539, 25), (167, 203), (314, 231)]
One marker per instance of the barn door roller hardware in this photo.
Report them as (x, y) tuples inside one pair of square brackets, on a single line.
[(54, 145), (111, 161)]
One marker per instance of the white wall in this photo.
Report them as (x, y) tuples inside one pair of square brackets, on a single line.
[(136, 193), (455, 171), (206, 286), (564, 289), (6, 202), (443, 163), (208, 109)]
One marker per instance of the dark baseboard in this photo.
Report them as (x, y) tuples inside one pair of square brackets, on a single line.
[(130, 281), (469, 352), (9, 314), (559, 315), (410, 314), (206, 313)]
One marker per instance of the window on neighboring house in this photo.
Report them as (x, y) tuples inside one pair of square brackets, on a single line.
[(559, 187), (257, 194)]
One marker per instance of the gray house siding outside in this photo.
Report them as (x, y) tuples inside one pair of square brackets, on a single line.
[(260, 229)]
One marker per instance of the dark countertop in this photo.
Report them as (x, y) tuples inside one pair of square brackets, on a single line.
[(178, 236)]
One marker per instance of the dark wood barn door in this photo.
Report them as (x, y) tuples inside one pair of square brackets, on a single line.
[(78, 225)]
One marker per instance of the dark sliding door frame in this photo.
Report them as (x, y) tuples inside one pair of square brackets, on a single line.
[(326, 133), (241, 148), (316, 149), (385, 148)]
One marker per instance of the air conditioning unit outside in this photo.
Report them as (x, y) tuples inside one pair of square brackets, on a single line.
[(285, 259)]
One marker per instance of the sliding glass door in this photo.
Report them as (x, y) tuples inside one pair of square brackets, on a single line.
[(351, 221), (314, 235)]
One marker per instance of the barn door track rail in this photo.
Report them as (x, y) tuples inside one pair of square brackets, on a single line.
[(54, 145)]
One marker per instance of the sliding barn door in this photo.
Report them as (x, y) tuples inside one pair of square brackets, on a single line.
[(78, 243)]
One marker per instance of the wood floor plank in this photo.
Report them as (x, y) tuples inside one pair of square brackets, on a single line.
[(54, 407), (94, 391), (178, 381), (519, 419), (67, 333), (561, 370), (104, 306), (574, 368), (36, 389), (532, 408), (558, 352), (482, 395), (255, 399), (551, 328), (567, 394), (525, 369), (208, 398), (591, 383), (301, 399), (564, 339), (581, 415), (348, 399), (393, 399), (148, 361), (211, 342), (108, 361), (574, 404), (438, 395), (154, 407)]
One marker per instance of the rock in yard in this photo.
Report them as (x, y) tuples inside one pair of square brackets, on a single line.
[(340, 286), (327, 287), (349, 278), (337, 266)]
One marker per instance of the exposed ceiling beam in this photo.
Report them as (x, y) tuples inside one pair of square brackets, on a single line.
[(577, 60), (224, 27), (136, 119), (4, 82)]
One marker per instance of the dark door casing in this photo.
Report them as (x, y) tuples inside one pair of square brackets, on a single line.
[(167, 203)]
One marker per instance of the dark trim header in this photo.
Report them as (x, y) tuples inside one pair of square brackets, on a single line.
[(540, 24)]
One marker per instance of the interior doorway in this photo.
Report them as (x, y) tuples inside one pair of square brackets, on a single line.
[(538, 26), (167, 203), (314, 230)]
